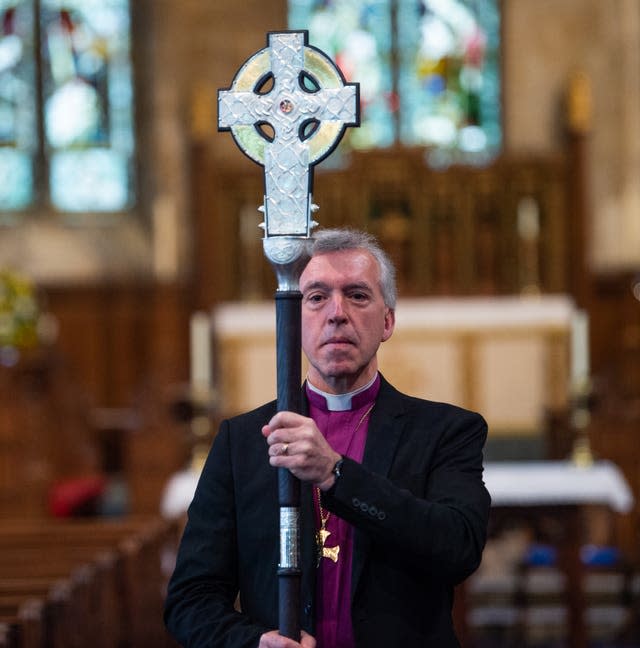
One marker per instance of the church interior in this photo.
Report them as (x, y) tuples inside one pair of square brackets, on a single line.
[(149, 320)]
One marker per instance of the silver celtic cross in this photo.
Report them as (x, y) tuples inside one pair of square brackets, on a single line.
[(287, 108)]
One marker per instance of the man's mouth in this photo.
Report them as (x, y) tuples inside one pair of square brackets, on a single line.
[(337, 341)]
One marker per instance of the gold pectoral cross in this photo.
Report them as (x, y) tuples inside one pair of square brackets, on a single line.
[(326, 552)]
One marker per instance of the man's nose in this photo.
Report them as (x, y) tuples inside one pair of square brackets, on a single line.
[(337, 312)]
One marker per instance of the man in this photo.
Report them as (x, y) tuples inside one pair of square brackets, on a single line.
[(391, 488)]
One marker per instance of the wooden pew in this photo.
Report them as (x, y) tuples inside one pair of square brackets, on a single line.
[(118, 582), (7, 637), (22, 626), (65, 601), (92, 584)]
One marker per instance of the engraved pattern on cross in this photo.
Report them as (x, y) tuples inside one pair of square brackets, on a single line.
[(288, 107)]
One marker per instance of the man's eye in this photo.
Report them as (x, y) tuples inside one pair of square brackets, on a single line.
[(358, 296), (314, 298)]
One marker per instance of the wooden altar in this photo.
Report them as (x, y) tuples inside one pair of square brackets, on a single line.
[(505, 357)]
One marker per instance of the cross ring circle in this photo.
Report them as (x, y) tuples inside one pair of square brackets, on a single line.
[(327, 134)]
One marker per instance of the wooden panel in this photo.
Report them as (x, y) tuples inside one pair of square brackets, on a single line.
[(114, 337), (452, 232), (44, 433), (122, 349), (615, 342)]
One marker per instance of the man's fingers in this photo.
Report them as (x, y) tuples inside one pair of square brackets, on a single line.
[(287, 419), (274, 640)]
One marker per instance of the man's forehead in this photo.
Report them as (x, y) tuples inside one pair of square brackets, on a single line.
[(345, 267)]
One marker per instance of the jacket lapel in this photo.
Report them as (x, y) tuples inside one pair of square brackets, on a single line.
[(384, 431), (383, 435)]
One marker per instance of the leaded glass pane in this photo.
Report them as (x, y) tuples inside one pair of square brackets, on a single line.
[(449, 80), (357, 35), (18, 130), (104, 180), (87, 101), (429, 69)]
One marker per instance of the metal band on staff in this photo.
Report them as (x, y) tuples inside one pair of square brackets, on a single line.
[(287, 109)]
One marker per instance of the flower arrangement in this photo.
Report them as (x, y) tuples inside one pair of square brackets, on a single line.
[(19, 311)]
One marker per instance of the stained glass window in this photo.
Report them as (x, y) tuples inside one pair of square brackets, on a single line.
[(357, 35), (429, 70), (18, 124), (66, 116)]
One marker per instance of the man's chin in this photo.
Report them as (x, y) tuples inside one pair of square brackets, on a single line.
[(342, 371)]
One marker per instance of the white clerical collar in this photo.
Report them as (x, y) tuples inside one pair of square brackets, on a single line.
[(340, 402)]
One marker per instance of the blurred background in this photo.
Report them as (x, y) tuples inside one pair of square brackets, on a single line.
[(498, 161)]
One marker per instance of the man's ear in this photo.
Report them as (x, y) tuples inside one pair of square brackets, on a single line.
[(389, 323)]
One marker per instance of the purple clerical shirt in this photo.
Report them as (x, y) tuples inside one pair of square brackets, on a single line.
[(346, 432)]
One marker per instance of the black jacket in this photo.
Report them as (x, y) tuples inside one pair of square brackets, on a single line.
[(417, 502)]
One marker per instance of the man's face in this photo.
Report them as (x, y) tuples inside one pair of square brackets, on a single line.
[(344, 319)]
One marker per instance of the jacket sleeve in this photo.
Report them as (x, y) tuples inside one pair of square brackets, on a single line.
[(199, 609), (432, 509)]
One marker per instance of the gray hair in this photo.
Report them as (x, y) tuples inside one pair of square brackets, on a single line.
[(340, 239)]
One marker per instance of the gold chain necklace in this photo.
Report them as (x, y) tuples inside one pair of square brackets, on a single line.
[(323, 533)]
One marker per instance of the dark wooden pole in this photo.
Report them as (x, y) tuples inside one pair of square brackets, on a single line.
[(288, 348)]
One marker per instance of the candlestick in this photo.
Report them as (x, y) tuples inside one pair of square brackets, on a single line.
[(200, 347), (581, 454), (528, 225), (579, 350), (528, 219)]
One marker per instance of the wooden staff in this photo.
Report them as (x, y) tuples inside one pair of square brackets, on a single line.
[(288, 383)]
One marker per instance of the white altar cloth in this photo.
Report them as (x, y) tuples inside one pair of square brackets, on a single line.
[(549, 483), (518, 483), (178, 493)]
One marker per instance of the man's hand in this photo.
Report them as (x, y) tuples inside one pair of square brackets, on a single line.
[(274, 639), (296, 443)]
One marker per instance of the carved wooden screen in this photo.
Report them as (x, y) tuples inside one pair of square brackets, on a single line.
[(494, 230)]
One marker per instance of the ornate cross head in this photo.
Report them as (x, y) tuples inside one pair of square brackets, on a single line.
[(287, 109)]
